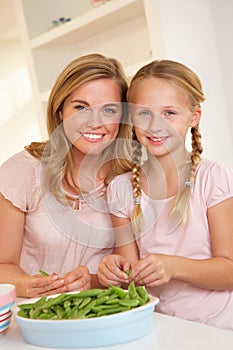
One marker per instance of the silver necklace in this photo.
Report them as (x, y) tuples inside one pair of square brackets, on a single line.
[(75, 201)]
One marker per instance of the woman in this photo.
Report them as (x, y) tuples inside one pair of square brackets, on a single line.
[(52, 203)]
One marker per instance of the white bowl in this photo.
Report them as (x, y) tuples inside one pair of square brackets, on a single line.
[(7, 299), (93, 332)]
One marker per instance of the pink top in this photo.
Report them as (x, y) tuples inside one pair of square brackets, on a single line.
[(56, 237), (213, 184)]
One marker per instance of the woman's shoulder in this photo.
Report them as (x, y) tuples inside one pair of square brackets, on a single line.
[(20, 180), (21, 159)]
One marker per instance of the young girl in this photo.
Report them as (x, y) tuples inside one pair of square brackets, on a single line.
[(53, 212), (173, 214)]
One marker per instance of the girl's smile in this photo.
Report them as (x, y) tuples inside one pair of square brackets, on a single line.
[(161, 116)]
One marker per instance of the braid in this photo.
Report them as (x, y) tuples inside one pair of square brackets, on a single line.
[(183, 77), (135, 179), (196, 151), (180, 209)]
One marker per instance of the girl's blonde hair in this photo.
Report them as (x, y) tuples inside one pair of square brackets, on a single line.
[(183, 77), (56, 152)]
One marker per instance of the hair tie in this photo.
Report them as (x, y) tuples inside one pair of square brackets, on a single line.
[(137, 200), (188, 184)]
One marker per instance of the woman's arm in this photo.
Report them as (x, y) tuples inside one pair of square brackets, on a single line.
[(12, 222), (213, 273)]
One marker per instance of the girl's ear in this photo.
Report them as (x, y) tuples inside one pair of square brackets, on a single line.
[(196, 118)]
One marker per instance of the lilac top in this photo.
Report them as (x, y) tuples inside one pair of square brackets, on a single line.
[(56, 237), (213, 184)]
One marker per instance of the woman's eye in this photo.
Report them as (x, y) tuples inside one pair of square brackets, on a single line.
[(81, 108), (109, 110)]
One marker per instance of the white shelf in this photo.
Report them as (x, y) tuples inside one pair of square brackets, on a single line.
[(125, 29), (92, 23)]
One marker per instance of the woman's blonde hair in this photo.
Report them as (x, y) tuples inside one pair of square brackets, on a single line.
[(180, 75), (56, 152)]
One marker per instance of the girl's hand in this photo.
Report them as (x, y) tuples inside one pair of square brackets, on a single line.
[(38, 286), (153, 270), (112, 270), (78, 279)]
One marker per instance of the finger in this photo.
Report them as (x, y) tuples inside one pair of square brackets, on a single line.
[(46, 289), (111, 272), (80, 284)]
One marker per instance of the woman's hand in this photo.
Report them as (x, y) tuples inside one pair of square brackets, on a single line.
[(38, 286), (78, 279), (153, 270), (112, 270)]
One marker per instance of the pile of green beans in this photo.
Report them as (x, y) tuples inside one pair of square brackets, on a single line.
[(85, 304)]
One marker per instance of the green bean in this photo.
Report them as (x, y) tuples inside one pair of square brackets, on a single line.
[(54, 301), (112, 311), (132, 291), (47, 316), (28, 306), (141, 291), (35, 313), (66, 303), (101, 300), (104, 293), (40, 302), (127, 272), (77, 301), (119, 291), (22, 313), (130, 302), (90, 293), (86, 304), (58, 310), (112, 301), (43, 273)]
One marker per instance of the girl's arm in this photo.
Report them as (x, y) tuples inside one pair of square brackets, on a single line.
[(214, 273), (12, 222), (112, 268)]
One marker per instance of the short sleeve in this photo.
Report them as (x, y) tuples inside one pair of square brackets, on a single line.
[(19, 181), (120, 195), (219, 183)]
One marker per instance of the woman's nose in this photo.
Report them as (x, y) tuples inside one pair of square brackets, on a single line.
[(93, 119)]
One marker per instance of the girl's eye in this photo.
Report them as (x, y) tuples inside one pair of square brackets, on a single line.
[(145, 114), (169, 114)]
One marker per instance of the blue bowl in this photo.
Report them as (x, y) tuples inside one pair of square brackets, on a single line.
[(93, 332)]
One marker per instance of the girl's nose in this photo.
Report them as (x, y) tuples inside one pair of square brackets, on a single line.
[(157, 123)]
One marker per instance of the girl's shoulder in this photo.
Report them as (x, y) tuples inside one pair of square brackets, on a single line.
[(214, 169), (214, 181)]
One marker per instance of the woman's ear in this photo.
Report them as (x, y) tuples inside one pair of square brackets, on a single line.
[(60, 115), (196, 118)]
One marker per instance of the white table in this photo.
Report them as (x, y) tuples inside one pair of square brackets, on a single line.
[(169, 333)]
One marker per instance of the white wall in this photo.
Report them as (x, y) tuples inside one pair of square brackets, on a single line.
[(18, 126), (189, 35), (223, 25)]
